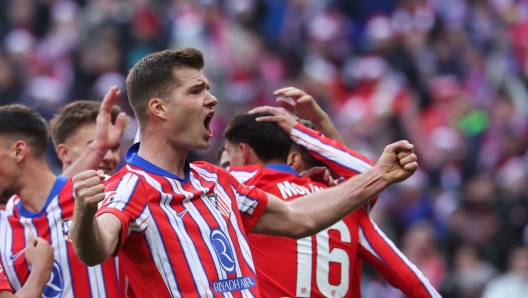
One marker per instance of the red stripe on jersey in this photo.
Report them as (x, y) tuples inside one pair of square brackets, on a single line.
[(381, 253), (324, 265), (192, 229), (4, 283), (71, 276), (325, 149), (348, 163)]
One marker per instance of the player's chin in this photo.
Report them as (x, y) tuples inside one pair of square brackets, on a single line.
[(204, 144)]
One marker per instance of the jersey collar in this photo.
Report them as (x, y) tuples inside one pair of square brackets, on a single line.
[(134, 159), (282, 168), (57, 187)]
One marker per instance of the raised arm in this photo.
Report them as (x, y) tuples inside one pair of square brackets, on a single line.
[(378, 251), (107, 135), (94, 238), (39, 255), (305, 107), (312, 213), (342, 160)]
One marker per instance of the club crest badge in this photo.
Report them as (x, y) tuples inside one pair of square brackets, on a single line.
[(66, 229), (219, 204)]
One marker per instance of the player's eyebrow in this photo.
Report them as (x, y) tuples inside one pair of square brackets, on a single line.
[(201, 85)]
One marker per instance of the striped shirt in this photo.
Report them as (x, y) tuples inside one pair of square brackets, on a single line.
[(70, 277), (184, 237), (327, 264)]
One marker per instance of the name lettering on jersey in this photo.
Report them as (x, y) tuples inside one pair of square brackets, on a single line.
[(223, 250), (233, 284), (219, 204), (290, 189), (55, 285), (66, 223)]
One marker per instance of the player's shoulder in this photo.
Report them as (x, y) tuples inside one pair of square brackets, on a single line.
[(244, 173), (127, 172), (206, 167)]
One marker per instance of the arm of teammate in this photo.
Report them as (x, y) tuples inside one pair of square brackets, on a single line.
[(39, 255), (342, 160), (305, 107), (106, 138), (93, 244), (312, 213), (379, 252)]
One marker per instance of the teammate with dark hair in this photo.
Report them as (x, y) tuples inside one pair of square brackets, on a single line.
[(23, 135), (327, 264), (42, 204)]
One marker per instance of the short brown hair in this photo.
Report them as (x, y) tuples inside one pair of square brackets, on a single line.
[(74, 115), (152, 77), (20, 122)]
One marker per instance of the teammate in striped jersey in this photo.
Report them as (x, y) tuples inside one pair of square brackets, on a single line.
[(42, 204), (327, 264), (40, 257), (179, 228)]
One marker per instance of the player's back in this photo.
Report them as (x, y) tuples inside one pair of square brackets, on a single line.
[(70, 277), (318, 266)]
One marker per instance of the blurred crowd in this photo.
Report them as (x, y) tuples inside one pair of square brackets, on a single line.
[(451, 76)]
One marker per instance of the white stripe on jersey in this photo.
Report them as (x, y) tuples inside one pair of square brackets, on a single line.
[(224, 201), (243, 176), (7, 252), (187, 244), (244, 248), (97, 283), (363, 242), (54, 216), (219, 189), (141, 222), (13, 200), (156, 245), (125, 189), (331, 153), (224, 226), (245, 203), (432, 291), (205, 229)]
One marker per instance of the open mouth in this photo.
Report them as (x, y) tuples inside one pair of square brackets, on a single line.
[(207, 123)]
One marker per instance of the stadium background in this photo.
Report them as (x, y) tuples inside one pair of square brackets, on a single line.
[(451, 76)]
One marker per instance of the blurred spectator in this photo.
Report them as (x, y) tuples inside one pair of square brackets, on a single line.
[(514, 283), (471, 273)]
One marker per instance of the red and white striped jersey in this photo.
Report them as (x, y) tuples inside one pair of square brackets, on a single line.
[(327, 264), (184, 237), (4, 283), (70, 277)]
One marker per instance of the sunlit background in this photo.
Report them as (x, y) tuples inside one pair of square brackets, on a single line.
[(450, 76)]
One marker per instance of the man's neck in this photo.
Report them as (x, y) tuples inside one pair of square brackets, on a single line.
[(163, 155), (270, 162), (36, 185)]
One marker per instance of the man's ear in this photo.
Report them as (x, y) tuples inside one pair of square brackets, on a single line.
[(20, 151), (294, 160), (63, 152), (158, 108), (247, 152)]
